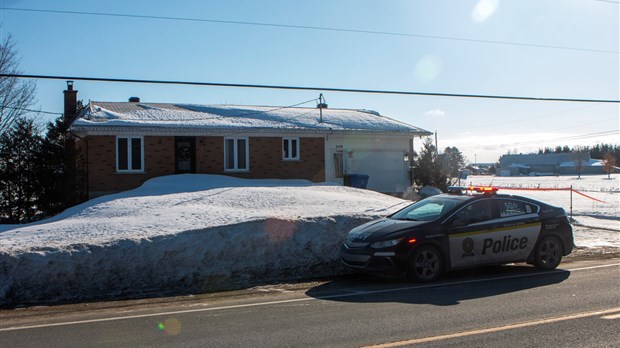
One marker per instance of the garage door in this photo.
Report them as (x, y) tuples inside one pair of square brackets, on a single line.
[(386, 169)]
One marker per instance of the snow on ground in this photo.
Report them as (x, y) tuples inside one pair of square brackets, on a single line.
[(190, 232), (197, 233), (586, 211), (175, 204)]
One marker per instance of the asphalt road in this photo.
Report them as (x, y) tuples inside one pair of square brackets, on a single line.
[(512, 306)]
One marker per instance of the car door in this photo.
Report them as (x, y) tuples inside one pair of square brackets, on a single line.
[(520, 225), (508, 235), (468, 228)]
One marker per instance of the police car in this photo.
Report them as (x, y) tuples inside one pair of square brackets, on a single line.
[(468, 227)]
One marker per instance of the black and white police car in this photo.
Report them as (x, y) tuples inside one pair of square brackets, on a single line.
[(467, 227)]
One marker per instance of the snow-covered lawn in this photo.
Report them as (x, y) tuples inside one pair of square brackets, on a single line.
[(196, 233), (600, 207)]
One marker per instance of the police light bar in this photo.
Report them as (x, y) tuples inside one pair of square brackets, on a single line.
[(483, 189), (457, 189)]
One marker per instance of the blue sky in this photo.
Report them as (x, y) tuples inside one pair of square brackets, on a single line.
[(134, 48)]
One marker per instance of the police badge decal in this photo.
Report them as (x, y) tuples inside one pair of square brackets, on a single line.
[(468, 247)]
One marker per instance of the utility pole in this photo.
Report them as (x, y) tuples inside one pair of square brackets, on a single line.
[(321, 105), (436, 147)]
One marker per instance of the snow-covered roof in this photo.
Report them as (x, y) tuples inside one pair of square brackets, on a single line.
[(551, 159), (585, 163), (162, 117)]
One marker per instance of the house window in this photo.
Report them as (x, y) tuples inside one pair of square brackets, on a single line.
[(236, 152), (290, 148), (129, 154)]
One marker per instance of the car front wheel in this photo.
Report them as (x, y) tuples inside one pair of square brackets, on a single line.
[(425, 265), (548, 253)]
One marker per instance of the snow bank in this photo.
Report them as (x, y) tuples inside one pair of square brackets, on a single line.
[(184, 234)]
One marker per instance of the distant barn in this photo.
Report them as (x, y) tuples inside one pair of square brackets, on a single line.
[(549, 164)]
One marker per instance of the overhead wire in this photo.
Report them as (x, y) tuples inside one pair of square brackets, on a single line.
[(520, 120), (31, 110), (573, 137), (308, 88), (232, 116), (6, 123), (587, 124), (305, 27)]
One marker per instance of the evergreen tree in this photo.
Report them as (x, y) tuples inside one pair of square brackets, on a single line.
[(18, 182), (452, 161), (566, 149), (59, 170), (429, 170)]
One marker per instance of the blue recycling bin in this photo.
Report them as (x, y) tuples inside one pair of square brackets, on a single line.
[(358, 180)]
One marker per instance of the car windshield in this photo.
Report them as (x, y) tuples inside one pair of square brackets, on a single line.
[(428, 209)]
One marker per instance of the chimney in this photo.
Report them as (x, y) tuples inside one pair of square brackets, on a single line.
[(70, 103), (134, 99)]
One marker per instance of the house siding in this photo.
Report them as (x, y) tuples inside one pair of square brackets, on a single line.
[(159, 159), (266, 160), (102, 175), (210, 155), (379, 157)]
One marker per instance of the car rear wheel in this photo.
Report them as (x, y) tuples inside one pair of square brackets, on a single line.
[(425, 265), (548, 253)]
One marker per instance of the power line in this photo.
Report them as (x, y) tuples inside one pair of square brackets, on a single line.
[(587, 124), (522, 120), (305, 27), (31, 110), (306, 88), (573, 137)]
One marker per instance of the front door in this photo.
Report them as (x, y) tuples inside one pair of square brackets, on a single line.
[(185, 154)]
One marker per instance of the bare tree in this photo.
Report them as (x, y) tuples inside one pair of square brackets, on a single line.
[(579, 157), (16, 95), (609, 164)]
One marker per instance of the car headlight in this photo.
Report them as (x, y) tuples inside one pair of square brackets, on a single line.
[(385, 243)]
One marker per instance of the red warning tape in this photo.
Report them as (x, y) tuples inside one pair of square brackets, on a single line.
[(592, 198), (534, 188), (550, 189)]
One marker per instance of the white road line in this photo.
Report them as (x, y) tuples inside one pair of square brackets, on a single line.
[(592, 267), (613, 316), (495, 329), (327, 297)]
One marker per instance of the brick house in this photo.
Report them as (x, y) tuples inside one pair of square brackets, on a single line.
[(127, 143)]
